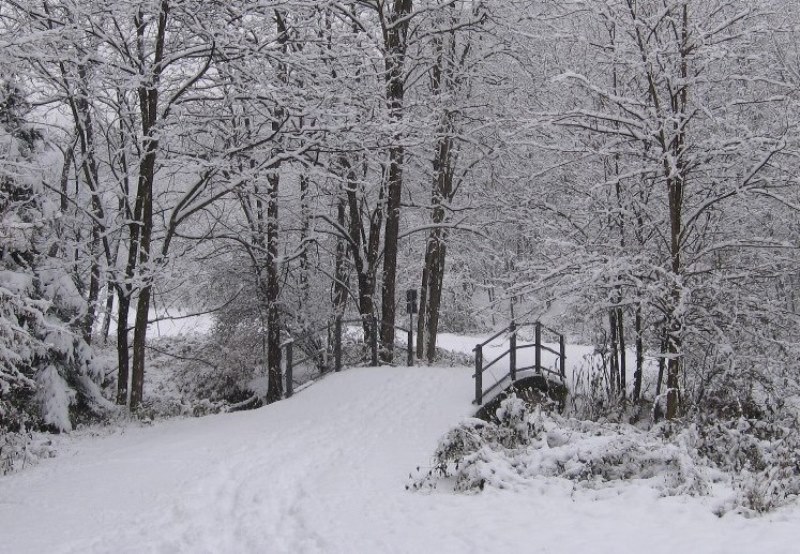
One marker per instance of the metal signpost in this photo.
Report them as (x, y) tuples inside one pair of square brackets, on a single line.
[(411, 309)]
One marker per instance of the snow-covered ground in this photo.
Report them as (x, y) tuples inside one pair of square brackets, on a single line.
[(326, 472)]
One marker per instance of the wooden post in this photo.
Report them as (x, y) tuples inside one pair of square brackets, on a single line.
[(410, 351), (512, 352), (478, 375), (538, 346), (289, 379), (374, 340), (337, 343), (562, 349), (326, 354)]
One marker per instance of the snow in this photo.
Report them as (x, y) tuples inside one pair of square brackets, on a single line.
[(180, 322), (325, 472), (171, 323), (55, 398)]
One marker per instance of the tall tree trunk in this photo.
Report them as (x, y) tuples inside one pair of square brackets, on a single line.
[(676, 185), (274, 379), (364, 247), (105, 327), (435, 281), (305, 224), (423, 311), (139, 345), (623, 363), (673, 371), (340, 271), (147, 94), (391, 234), (125, 298), (145, 194), (637, 376), (613, 370), (123, 361), (671, 139), (395, 40), (436, 248), (82, 117), (95, 277)]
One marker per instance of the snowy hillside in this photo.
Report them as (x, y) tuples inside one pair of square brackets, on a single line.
[(325, 472)]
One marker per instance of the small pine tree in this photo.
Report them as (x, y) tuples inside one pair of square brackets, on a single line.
[(47, 372)]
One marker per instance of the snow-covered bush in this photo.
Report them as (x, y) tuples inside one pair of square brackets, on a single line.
[(525, 444), (758, 461), (762, 456), (18, 450)]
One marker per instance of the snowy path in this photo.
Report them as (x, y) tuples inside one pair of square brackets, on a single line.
[(325, 472)]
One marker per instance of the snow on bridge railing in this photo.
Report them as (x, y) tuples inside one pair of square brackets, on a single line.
[(329, 337), (512, 330)]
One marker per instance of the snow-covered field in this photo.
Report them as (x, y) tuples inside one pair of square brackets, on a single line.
[(326, 472)]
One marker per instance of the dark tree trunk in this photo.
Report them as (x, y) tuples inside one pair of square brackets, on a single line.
[(673, 371), (305, 224), (391, 234), (148, 108), (364, 246), (395, 41), (613, 377), (435, 281), (105, 328), (436, 248), (124, 296), (637, 376), (87, 326), (82, 116), (139, 345), (442, 81), (145, 194), (274, 381), (423, 310), (623, 364), (340, 287), (123, 361), (671, 140)]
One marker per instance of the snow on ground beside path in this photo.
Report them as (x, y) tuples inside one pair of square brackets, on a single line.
[(325, 472), (171, 323)]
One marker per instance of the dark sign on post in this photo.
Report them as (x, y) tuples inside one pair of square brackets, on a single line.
[(411, 301)]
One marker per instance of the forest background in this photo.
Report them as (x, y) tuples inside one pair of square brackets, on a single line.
[(625, 170)]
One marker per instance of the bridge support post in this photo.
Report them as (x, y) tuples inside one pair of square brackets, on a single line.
[(512, 351), (289, 377), (538, 346), (478, 375)]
